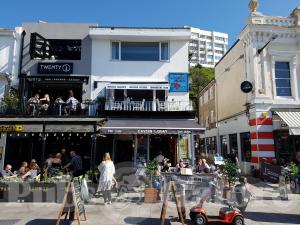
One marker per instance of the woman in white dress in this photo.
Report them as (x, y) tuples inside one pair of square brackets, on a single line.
[(107, 170)]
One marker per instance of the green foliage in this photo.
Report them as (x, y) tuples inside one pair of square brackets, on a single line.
[(294, 170), (151, 168), (231, 171), (11, 100), (199, 78)]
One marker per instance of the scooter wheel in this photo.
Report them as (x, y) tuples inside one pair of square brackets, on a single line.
[(238, 220), (199, 219)]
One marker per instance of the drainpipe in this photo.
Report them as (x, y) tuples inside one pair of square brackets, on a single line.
[(20, 75)]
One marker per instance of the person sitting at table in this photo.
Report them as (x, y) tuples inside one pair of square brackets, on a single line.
[(179, 166), (55, 165), (165, 167), (206, 166), (44, 103), (33, 171), (23, 169), (33, 105), (6, 173), (71, 104), (199, 166)]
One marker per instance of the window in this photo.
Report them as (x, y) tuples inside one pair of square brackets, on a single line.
[(60, 49), (164, 51), (245, 147), (223, 140), (219, 45), (115, 50), (283, 79), (210, 57), (219, 38), (218, 58), (140, 51), (233, 146), (219, 52)]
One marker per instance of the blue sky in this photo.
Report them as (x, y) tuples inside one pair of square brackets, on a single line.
[(219, 15)]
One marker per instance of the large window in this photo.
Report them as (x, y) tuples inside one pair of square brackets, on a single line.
[(283, 79), (245, 147), (140, 51), (224, 143)]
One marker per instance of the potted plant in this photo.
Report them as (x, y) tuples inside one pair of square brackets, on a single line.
[(11, 102), (295, 189), (150, 193), (231, 172)]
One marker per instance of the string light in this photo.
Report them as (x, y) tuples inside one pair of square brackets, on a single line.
[(54, 134)]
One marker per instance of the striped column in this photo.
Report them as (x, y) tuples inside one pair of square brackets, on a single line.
[(262, 140)]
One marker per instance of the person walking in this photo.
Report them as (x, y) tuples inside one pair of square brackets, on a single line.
[(107, 171), (76, 164)]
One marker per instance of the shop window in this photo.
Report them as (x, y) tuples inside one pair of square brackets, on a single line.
[(245, 147), (224, 143), (233, 142), (283, 79)]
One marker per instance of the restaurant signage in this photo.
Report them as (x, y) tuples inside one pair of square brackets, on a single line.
[(11, 128), (246, 87), (141, 131), (139, 86), (55, 68), (179, 82)]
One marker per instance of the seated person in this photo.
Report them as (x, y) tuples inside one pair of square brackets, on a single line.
[(45, 103), (179, 166), (6, 173), (71, 103), (199, 166), (165, 167), (23, 169), (206, 166), (33, 104), (33, 171)]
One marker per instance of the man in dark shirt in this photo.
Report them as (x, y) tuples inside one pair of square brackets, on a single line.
[(76, 164)]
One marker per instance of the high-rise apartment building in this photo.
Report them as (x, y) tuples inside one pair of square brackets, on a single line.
[(206, 47)]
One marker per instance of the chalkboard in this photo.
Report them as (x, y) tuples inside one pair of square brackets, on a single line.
[(72, 203), (270, 172), (76, 189)]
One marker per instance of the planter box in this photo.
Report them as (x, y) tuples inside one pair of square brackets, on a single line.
[(32, 192), (150, 195)]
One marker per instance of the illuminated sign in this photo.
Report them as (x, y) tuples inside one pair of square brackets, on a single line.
[(11, 128)]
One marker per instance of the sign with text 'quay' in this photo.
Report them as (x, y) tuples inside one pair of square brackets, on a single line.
[(55, 68)]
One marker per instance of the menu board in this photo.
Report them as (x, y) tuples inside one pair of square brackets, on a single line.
[(183, 147), (76, 189)]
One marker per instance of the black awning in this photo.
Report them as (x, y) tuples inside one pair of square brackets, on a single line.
[(151, 126)]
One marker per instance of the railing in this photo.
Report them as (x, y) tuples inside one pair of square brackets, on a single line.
[(56, 109), (148, 106)]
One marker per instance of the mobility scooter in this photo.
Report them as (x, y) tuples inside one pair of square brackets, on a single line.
[(232, 214)]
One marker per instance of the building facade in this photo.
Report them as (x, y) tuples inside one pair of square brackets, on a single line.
[(131, 87), (207, 47), (261, 122)]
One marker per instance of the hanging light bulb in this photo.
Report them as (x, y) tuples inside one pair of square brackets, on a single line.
[(77, 134), (70, 134), (54, 134), (62, 134)]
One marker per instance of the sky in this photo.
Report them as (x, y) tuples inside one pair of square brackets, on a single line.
[(227, 16)]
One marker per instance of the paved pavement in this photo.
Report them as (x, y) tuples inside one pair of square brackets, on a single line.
[(265, 209)]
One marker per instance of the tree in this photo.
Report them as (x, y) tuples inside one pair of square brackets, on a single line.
[(199, 78)]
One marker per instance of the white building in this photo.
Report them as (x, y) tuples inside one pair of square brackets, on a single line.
[(207, 47), (9, 57), (263, 124)]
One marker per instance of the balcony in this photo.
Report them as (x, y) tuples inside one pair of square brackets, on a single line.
[(149, 106)]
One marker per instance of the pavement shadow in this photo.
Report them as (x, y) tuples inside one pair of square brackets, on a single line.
[(273, 217), (142, 221), (47, 222)]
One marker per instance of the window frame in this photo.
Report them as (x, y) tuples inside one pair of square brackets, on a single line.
[(120, 52), (293, 71)]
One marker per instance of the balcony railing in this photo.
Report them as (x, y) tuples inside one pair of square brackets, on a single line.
[(149, 106)]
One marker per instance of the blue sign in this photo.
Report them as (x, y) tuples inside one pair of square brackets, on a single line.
[(179, 82)]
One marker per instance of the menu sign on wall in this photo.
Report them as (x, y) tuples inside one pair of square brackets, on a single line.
[(55, 68), (179, 82)]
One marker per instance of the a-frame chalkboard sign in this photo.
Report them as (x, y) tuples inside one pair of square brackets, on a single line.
[(73, 203)]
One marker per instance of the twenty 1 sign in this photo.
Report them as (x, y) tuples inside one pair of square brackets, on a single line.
[(55, 68)]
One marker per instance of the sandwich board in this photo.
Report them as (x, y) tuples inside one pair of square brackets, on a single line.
[(72, 204)]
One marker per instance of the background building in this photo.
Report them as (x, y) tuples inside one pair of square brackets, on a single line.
[(207, 47), (262, 124)]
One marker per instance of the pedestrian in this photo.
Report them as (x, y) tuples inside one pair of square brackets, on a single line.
[(107, 171), (298, 159), (159, 158), (76, 163), (64, 157)]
